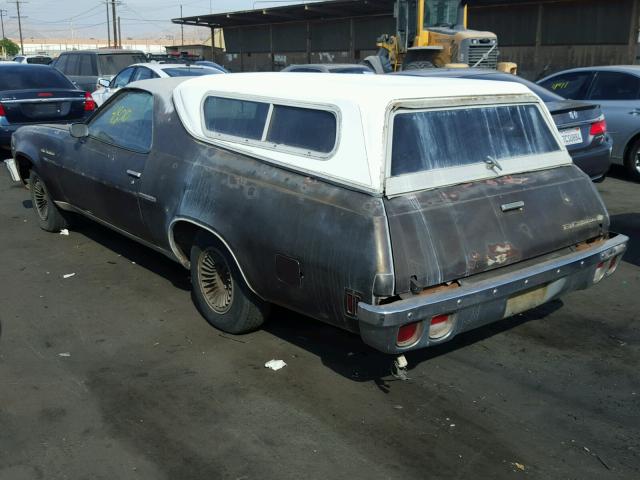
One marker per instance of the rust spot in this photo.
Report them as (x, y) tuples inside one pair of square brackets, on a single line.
[(500, 253), (594, 242)]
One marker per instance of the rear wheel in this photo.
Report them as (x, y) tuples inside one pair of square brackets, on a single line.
[(418, 65), (50, 218), (632, 162), (220, 292)]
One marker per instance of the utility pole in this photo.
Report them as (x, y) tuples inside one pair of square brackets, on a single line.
[(181, 28), (119, 33), (18, 2), (115, 26), (2, 14), (106, 2)]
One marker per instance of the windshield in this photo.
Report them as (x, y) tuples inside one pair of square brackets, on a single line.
[(190, 72), (436, 139), (441, 13), (112, 63)]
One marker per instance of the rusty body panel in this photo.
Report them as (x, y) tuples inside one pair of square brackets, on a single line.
[(449, 233), (338, 236)]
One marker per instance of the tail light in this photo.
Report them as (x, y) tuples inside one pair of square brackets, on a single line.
[(2, 112), (441, 326), (409, 334), (613, 265), (89, 102), (598, 127), (601, 269)]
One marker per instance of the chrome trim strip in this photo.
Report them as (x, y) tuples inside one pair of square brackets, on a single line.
[(185, 261), (148, 198), (507, 207), (44, 100), (500, 286)]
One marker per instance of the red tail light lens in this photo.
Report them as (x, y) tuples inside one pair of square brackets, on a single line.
[(409, 334), (598, 128), (2, 112), (89, 102)]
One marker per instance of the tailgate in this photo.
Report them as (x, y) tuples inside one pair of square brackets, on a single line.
[(452, 232)]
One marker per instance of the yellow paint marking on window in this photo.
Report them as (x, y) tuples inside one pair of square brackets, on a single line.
[(120, 115)]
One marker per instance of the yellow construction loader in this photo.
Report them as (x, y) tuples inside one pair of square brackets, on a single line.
[(433, 33)]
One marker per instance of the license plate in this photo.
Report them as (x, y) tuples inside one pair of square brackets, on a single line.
[(522, 302), (571, 136)]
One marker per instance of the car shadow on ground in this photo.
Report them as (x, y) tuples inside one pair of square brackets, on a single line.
[(341, 351), (347, 355), (629, 225), (133, 251)]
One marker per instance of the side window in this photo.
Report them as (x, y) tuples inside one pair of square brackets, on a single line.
[(239, 118), (126, 122), (615, 86), (305, 128), (123, 78), (143, 73), (61, 63), (571, 85), (85, 69), (72, 65)]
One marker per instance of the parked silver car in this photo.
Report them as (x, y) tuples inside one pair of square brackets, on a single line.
[(617, 90)]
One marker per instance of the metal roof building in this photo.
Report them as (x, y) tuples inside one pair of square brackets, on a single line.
[(540, 35)]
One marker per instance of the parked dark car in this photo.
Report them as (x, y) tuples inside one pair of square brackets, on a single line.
[(403, 213), (85, 67), (329, 68), (38, 94), (616, 88), (582, 125)]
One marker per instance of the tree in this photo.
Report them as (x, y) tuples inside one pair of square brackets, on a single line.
[(10, 48)]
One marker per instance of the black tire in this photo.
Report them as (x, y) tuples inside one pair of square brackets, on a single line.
[(418, 65), (632, 161), (50, 218), (219, 291)]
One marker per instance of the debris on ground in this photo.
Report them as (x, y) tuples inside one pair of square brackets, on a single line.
[(275, 364), (64, 354), (519, 466), (68, 275), (64, 232)]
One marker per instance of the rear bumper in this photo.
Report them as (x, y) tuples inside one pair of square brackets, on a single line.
[(595, 162), (484, 298)]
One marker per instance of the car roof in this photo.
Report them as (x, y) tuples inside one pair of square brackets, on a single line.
[(103, 51), (11, 64), (323, 87), (329, 66), (633, 69)]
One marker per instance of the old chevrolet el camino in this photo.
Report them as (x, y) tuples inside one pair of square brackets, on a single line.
[(408, 210)]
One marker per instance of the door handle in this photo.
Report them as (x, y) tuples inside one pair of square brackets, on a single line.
[(133, 173)]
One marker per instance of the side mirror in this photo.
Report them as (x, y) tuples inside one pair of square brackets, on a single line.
[(103, 82), (79, 130)]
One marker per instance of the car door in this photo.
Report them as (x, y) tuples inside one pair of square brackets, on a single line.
[(571, 85), (102, 171), (618, 94)]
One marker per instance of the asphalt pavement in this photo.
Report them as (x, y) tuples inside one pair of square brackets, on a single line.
[(112, 374)]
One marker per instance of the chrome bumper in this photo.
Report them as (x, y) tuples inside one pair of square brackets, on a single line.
[(13, 169), (483, 299)]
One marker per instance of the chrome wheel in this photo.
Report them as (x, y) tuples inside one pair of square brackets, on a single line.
[(636, 161), (215, 280), (40, 198)]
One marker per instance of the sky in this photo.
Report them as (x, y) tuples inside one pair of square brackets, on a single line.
[(139, 18)]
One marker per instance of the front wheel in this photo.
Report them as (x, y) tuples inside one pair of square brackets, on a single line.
[(632, 162), (50, 218), (220, 292)]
